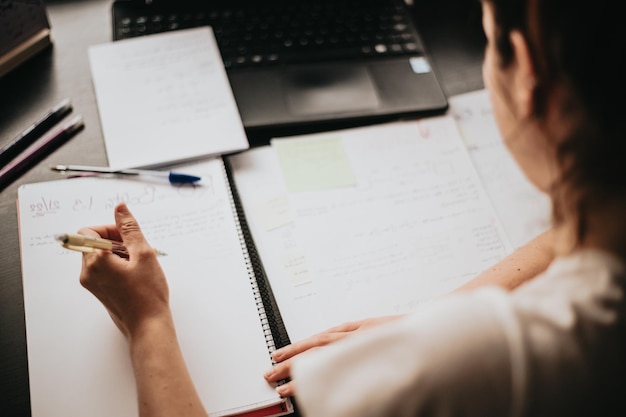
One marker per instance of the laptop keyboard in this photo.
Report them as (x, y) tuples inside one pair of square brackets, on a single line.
[(293, 32)]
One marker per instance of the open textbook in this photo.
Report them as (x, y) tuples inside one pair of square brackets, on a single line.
[(277, 243)]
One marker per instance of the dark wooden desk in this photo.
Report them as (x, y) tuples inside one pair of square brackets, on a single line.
[(451, 29)]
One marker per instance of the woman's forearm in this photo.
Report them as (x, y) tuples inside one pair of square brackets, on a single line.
[(522, 265), (164, 386)]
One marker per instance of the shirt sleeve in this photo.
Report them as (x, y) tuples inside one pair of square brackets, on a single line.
[(457, 365)]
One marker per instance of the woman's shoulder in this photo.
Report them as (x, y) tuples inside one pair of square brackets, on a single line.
[(572, 323), (588, 274)]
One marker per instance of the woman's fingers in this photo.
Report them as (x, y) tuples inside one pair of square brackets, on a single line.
[(108, 231), (283, 355), (286, 389), (279, 371), (321, 339), (129, 230)]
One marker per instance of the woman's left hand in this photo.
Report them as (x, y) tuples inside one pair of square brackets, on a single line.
[(284, 355)]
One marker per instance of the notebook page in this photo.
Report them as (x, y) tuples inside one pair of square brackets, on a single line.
[(401, 218), (165, 98), (78, 359), (524, 211)]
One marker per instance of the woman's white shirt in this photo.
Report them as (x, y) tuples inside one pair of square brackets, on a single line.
[(552, 347)]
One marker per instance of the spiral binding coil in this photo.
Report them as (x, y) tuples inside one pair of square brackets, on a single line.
[(271, 322)]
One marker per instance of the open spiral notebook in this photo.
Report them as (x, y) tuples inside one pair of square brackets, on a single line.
[(78, 359)]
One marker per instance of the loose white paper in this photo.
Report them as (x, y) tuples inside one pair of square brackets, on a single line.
[(164, 99)]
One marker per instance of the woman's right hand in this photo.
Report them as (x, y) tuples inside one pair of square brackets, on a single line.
[(134, 290)]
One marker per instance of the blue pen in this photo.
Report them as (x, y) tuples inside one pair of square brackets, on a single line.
[(172, 177)]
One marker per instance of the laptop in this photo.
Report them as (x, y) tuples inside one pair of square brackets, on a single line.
[(303, 65)]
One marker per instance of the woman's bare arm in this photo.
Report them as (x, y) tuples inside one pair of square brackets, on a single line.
[(522, 265)]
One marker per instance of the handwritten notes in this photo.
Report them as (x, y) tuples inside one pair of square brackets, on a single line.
[(165, 98), (432, 203), (275, 212), (75, 350), (416, 224), (522, 208)]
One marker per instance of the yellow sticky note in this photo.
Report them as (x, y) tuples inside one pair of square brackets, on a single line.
[(314, 164)]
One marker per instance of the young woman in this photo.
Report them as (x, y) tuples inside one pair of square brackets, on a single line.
[(552, 345)]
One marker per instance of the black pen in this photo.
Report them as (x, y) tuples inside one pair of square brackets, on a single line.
[(34, 132), (39, 151)]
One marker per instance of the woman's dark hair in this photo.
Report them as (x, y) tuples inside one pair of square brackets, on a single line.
[(579, 45)]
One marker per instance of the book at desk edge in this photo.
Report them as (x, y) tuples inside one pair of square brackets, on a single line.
[(24, 33), (25, 51), (227, 325)]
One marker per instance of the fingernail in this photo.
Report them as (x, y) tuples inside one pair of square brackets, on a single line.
[(268, 374), (276, 355), (122, 208), (281, 390)]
